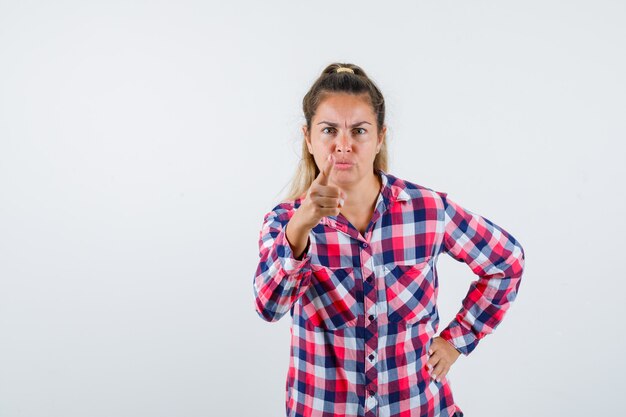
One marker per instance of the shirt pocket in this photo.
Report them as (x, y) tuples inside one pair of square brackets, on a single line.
[(329, 302), (410, 290)]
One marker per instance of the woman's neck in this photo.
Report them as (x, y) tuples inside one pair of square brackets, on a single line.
[(363, 196)]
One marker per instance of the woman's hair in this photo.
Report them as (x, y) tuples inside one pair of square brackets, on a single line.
[(331, 81)]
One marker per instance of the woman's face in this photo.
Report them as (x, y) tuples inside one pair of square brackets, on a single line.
[(345, 125)]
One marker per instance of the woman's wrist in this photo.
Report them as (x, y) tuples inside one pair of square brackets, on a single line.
[(297, 233), (300, 218)]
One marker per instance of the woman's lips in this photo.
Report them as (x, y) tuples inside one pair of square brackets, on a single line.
[(343, 165)]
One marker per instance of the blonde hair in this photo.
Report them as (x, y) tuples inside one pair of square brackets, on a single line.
[(331, 81)]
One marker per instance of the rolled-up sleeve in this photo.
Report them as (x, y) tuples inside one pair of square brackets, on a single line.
[(280, 278), (496, 257)]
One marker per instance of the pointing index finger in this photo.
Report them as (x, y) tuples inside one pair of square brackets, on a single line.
[(322, 178)]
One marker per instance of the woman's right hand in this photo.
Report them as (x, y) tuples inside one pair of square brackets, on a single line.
[(321, 199)]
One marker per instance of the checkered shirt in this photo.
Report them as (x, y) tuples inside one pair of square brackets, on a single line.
[(364, 307)]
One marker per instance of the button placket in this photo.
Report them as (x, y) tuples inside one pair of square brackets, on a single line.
[(370, 354), (371, 401)]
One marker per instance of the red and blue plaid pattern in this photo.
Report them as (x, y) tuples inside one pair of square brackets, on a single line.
[(364, 308)]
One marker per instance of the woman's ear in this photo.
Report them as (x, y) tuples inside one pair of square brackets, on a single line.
[(381, 138), (307, 138)]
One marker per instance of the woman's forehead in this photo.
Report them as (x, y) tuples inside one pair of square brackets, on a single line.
[(344, 108)]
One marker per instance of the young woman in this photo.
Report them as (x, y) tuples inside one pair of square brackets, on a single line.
[(351, 254)]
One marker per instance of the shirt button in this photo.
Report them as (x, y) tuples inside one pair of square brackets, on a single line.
[(364, 245), (371, 357), (371, 317)]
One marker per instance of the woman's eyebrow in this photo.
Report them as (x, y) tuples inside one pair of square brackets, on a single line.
[(337, 124)]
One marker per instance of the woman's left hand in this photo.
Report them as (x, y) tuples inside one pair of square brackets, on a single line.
[(441, 357)]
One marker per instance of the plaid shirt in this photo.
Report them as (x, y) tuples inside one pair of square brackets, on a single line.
[(364, 307)]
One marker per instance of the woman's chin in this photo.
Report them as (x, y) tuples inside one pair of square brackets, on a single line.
[(344, 183)]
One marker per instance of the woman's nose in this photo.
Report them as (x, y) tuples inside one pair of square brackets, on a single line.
[(344, 143)]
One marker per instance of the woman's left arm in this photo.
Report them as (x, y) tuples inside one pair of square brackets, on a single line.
[(496, 257)]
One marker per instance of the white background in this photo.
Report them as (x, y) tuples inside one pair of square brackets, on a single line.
[(141, 143)]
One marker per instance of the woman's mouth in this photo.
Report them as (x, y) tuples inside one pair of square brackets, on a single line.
[(343, 165)]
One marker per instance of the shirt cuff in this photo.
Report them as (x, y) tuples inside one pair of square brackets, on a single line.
[(462, 338)]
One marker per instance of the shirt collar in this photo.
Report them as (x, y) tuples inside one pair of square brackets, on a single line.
[(392, 189)]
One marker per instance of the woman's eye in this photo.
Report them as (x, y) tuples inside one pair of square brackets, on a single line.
[(359, 130)]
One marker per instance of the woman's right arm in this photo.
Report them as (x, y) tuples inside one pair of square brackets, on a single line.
[(280, 277), (284, 271)]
